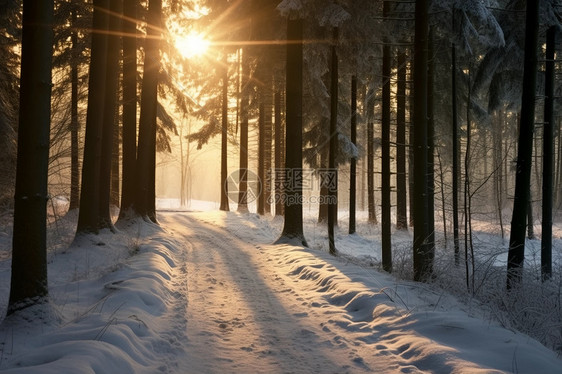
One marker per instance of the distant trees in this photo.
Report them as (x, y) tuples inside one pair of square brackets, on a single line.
[(29, 252), (260, 77), (10, 24)]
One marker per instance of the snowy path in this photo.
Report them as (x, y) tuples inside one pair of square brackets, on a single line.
[(203, 294), (255, 308), (244, 317)]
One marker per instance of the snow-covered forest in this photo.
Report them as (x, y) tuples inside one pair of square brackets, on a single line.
[(202, 186)]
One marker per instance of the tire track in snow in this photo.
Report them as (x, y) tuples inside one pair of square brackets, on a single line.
[(244, 317)]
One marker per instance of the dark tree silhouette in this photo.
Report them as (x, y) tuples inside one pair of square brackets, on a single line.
[(385, 151), (146, 154), (332, 168), (129, 141), (548, 151), (516, 254), (423, 255), (353, 160), (455, 145), (109, 123), (88, 217), (293, 217), (224, 140), (401, 186), (29, 252)]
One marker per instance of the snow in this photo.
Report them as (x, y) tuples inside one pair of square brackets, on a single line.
[(207, 292)]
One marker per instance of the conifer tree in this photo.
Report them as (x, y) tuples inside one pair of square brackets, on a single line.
[(29, 252)]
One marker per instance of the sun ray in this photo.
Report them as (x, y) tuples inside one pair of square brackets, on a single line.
[(192, 45)]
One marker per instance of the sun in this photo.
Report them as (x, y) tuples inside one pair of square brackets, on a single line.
[(192, 45)]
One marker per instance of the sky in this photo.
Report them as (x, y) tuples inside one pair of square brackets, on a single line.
[(208, 292)]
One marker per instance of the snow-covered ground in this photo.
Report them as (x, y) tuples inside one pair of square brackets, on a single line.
[(207, 292)]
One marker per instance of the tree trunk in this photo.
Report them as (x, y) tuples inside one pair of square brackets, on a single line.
[(115, 164), (401, 188), (268, 127), (548, 153), (89, 214), (498, 175), (385, 156), (467, 192), (261, 158), (144, 202), (244, 102), (455, 144), (430, 146), (278, 158), (29, 250), (109, 117), (353, 161), (293, 218), (530, 217), (516, 254), (332, 167), (423, 254), (224, 141), (74, 121), (129, 141), (371, 173)]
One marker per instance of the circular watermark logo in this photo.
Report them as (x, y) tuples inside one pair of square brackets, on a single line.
[(243, 186)]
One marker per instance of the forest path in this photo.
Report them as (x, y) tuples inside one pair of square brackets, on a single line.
[(245, 316)]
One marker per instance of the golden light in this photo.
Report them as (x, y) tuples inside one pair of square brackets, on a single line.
[(192, 45)]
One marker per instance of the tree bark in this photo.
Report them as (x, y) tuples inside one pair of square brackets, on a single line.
[(455, 144), (371, 173), (353, 161), (74, 121), (401, 187), (516, 254), (423, 255), (548, 154), (332, 167), (430, 145), (109, 117), (293, 218), (261, 158), (278, 155), (29, 249), (243, 165), (224, 141), (89, 214), (129, 141), (386, 233), (146, 155)]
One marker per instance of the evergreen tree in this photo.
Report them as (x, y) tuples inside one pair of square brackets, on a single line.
[(548, 151), (129, 141), (29, 252), (293, 215), (89, 214), (423, 252), (110, 107), (516, 254), (385, 149), (10, 27), (146, 150)]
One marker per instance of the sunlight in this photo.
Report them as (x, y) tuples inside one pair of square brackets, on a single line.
[(192, 45)]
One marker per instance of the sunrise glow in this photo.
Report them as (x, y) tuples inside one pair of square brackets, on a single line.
[(192, 45)]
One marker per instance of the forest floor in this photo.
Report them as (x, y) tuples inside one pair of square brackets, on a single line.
[(207, 292)]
